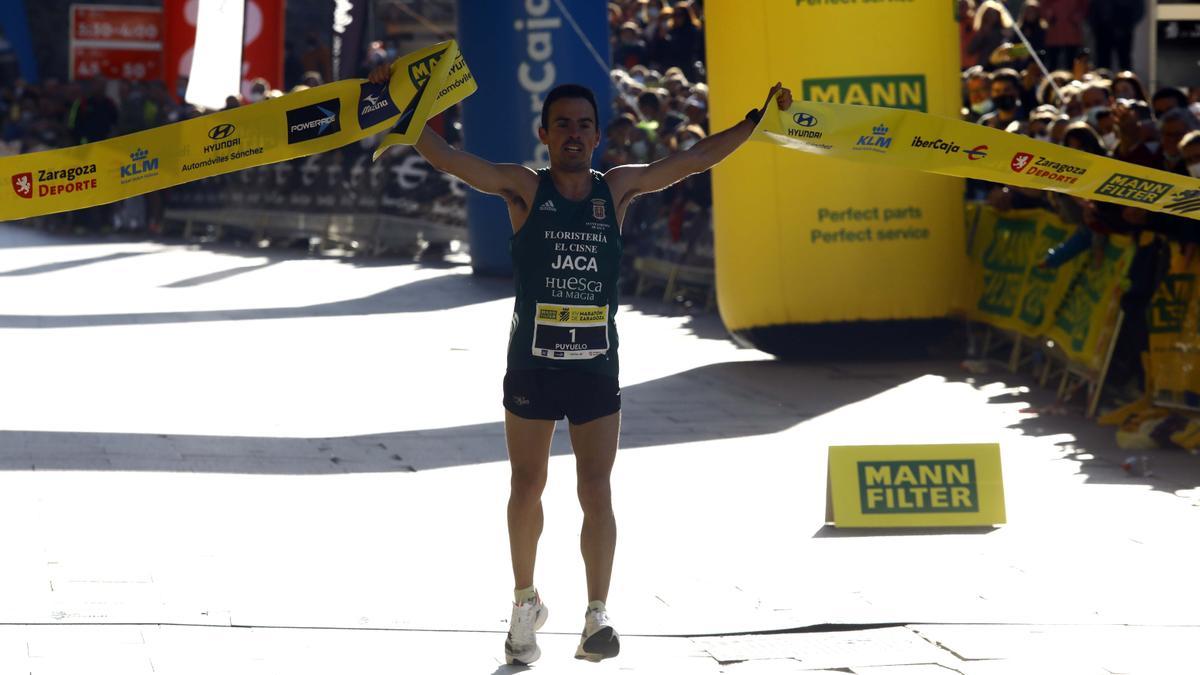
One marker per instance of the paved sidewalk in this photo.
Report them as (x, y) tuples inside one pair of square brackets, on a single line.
[(222, 460)]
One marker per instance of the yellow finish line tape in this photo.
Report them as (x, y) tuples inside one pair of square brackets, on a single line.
[(423, 84), (916, 140)]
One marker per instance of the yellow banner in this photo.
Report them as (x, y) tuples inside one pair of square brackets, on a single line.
[(1086, 320), (423, 84), (1076, 305), (1174, 322), (916, 140), (1012, 291), (915, 486)]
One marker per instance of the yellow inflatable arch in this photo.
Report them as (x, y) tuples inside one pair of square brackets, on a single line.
[(803, 240)]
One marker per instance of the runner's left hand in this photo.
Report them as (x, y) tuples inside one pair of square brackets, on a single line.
[(781, 94)]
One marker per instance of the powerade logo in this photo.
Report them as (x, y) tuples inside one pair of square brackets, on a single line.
[(919, 486), (142, 166), (375, 105), (876, 141), (1133, 189), (314, 121), (906, 92)]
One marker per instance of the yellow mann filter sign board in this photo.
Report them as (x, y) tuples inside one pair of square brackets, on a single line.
[(801, 239), (915, 486), (423, 84)]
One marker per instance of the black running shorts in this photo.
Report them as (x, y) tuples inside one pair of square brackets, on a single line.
[(547, 394)]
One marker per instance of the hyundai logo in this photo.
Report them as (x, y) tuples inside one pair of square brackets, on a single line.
[(803, 119), (220, 131)]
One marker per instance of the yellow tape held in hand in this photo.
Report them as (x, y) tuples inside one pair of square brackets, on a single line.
[(303, 123), (916, 140)]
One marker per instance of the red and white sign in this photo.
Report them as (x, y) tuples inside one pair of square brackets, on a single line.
[(116, 41), (117, 64), (262, 50)]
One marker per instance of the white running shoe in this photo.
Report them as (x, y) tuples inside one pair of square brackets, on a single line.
[(521, 646), (599, 640)]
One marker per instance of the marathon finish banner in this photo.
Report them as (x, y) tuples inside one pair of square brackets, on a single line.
[(916, 140), (297, 125)]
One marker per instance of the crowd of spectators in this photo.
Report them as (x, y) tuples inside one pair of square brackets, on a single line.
[(1086, 105), (661, 108)]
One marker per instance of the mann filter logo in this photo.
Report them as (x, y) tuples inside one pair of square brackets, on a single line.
[(1134, 189), (918, 486), (419, 71), (142, 166), (906, 92), (876, 141), (314, 121), (375, 105), (1184, 201)]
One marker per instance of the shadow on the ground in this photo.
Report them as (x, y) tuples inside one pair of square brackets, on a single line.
[(1092, 446), (720, 401), (71, 264), (442, 292)]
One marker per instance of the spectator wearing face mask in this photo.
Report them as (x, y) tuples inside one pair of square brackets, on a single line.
[(978, 85), (1006, 97)]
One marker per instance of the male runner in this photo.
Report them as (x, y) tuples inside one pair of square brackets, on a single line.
[(562, 352)]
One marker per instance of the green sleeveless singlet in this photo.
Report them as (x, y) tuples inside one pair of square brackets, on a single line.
[(566, 262)]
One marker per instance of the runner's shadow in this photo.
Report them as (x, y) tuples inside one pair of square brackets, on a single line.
[(720, 401)]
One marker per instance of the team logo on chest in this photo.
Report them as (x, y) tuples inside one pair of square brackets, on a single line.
[(598, 211)]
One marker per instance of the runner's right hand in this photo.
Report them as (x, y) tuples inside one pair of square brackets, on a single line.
[(382, 73)]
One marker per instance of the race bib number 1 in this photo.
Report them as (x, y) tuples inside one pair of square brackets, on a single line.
[(570, 331)]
